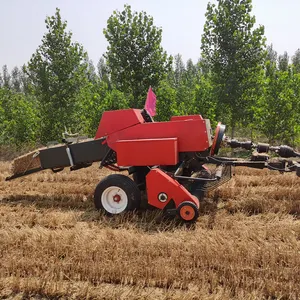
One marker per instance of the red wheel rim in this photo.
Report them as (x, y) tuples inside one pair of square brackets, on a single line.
[(187, 213)]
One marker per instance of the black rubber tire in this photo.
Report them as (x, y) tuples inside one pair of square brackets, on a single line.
[(193, 206), (125, 183)]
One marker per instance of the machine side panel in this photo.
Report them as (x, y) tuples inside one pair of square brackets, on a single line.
[(117, 120), (191, 134), (83, 152), (55, 157), (147, 152), (89, 151), (161, 189)]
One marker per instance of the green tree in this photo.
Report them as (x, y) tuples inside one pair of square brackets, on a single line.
[(205, 103), (186, 88), (115, 100), (103, 71), (93, 101), (16, 79), (296, 61), (135, 57), (234, 52), (25, 81), (278, 111), (6, 77), (91, 70), (90, 106), (271, 60), (179, 70), (166, 101), (271, 55), (283, 62), (57, 71), (18, 118)]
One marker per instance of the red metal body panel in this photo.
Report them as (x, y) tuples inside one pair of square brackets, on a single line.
[(159, 183), (191, 134), (147, 152), (181, 118), (117, 120)]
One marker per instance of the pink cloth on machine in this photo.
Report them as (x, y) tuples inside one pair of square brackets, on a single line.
[(150, 104)]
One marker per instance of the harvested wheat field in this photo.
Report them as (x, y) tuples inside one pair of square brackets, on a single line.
[(53, 244)]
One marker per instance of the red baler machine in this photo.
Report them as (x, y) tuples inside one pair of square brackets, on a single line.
[(172, 162)]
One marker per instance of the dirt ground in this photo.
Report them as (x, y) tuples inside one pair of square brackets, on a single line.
[(55, 245)]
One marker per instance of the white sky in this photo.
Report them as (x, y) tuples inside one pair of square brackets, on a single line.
[(22, 24)]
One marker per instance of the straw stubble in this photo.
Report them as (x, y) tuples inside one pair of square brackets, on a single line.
[(245, 245)]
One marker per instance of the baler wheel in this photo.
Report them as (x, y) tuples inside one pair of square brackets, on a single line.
[(116, 194), (188, 212)]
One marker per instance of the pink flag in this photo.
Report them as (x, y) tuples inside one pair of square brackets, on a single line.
[(150, 104)]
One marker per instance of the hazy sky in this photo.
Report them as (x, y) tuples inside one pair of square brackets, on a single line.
[(22, 24)]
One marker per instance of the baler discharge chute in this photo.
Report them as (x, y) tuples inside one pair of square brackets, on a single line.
[(56, 158)]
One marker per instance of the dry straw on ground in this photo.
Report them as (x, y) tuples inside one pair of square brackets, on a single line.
[(245, 245)]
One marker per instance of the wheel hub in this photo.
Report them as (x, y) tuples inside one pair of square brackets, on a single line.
[(187, 213), (114, 200), (117, 198)]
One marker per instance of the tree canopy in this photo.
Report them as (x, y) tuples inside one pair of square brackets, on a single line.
[(135, 57), (237, 80), (234, 52), (57, 71)]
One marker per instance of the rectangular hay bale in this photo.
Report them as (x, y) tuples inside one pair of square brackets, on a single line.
[(26, 162)]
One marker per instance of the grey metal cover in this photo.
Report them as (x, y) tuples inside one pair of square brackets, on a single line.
[(89, 151), (54, 157)]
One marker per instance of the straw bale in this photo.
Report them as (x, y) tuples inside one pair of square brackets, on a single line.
[(26, 162)]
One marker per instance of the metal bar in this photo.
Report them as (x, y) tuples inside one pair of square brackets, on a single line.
[(179, 170), (70, 156), (237, 163), (23, 173), (197, 179)]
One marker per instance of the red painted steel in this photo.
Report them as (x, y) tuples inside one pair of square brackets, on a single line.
[(147, 152), (159, 183), (191, 134), (181, 118), (117, 120)]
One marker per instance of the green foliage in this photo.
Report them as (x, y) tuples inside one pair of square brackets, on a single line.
[(166, 102), (92, 101), (278, 111), (205, 103), (57, 72), (235, 81), (135, 57), (283, 62), (6, 77), (103, 71), (186, 91), (16, 79), (296, 61), (179, 70), (18, 118), (234, 52)]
